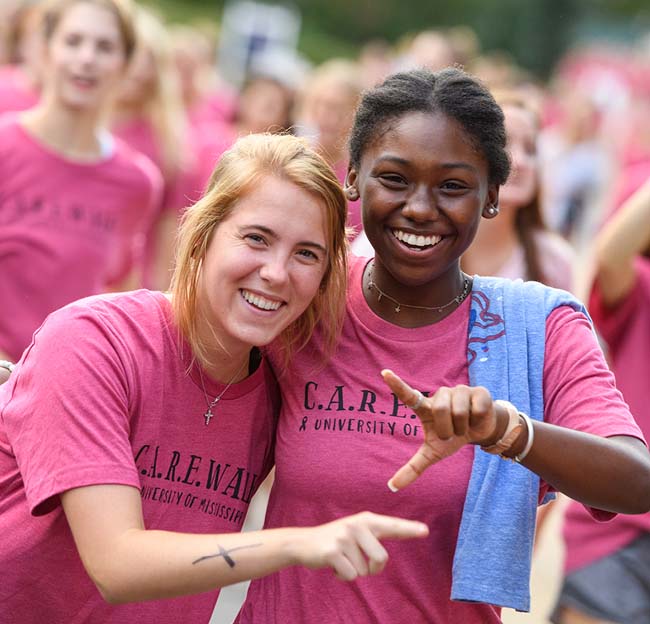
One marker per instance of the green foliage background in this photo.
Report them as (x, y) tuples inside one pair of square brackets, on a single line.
[(534, 32)]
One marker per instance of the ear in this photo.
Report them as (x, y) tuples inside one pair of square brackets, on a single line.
[(350, 187), (491, 208)]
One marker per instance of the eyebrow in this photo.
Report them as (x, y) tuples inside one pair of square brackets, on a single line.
[(403, 161), (273, 234)]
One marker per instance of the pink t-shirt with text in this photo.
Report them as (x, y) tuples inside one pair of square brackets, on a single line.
[(342, 434), (67, 229), (103, 396), (626, 330)]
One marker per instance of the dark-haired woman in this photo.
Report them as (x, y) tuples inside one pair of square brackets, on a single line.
[(491, 361)]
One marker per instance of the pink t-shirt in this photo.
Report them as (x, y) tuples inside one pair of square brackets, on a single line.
[(67, 229), (342, 434), (180, 189), (556, 261), (16, 94), (103, 396), (626, 330)]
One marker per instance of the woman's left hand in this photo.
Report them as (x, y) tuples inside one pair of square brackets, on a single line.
[(451, 418)]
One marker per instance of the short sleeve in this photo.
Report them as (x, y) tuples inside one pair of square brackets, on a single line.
[(67, 414), (612, 321), (579, 389)]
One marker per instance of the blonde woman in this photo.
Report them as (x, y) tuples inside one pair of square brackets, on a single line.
[(149, 115), (136, 454), (74, 201), (325, 115)]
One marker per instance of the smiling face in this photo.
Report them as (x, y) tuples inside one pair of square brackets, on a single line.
[(263, 266), (424, 187), (85, 56), (521, 186)]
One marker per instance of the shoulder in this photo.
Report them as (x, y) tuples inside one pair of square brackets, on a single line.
[(111, 315), (10, 129), (533, 295), (136, 166)]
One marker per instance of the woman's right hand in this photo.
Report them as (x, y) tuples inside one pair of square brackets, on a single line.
[(351, 546)]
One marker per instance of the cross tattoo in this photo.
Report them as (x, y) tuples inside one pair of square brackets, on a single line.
[(225, 554)]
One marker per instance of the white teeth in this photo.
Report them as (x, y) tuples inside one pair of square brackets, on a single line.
[(416, 241), (260, 302)]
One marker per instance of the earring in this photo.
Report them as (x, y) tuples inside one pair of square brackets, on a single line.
[(493, 210), (351, 193)]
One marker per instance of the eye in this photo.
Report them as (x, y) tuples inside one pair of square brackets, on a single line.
[(106, 46), (308, 254), (392, 180), (255, 239), (72, 40), (453, 186)]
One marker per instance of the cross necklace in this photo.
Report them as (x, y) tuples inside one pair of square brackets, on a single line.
[(212, 403)]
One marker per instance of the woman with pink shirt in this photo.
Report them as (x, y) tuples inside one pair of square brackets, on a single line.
[(518, 244), (149, 115), (607, 566), (490, 370), (325, 113), (74, 202), (137, 426)]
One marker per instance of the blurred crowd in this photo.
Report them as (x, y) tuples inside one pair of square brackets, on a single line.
[(590, 134)]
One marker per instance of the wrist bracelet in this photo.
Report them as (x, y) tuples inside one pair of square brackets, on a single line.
[(513, 429), (529, 443), (8, 365)]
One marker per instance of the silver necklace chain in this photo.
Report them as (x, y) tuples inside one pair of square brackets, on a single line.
[(212, 403), (458, 299)]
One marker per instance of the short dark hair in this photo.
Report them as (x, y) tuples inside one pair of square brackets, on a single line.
[(450, 91)]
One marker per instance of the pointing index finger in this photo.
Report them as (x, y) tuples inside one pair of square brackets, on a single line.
[(405, 393)]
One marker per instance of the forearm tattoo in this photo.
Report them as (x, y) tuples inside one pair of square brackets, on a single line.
[(225, 554)]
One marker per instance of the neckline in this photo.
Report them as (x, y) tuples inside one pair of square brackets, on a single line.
[(359, 308), (192, 369)]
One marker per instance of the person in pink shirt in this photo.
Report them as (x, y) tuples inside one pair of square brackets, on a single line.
[(607, 566), (518, 245), (74, 202), (325, 113), (137, 426), (484, 362), (20, 67), (149, 115)]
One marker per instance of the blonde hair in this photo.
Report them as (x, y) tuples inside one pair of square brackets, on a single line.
[(54, 10), (237, 173), (164, 106)]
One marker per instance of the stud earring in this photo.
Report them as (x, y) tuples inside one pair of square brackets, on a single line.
[(351, 193), (493, 210)]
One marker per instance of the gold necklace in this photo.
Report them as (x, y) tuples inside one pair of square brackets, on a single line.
[(212, 403), (458, 299)]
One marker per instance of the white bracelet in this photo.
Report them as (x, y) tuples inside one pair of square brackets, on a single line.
[(529, 443), (7, 365)]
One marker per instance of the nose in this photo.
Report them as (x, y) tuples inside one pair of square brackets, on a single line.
[(87, 52), (420, 205), (275, 270)]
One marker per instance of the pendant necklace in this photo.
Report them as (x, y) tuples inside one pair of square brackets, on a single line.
[(458, 299), (212, 403)]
